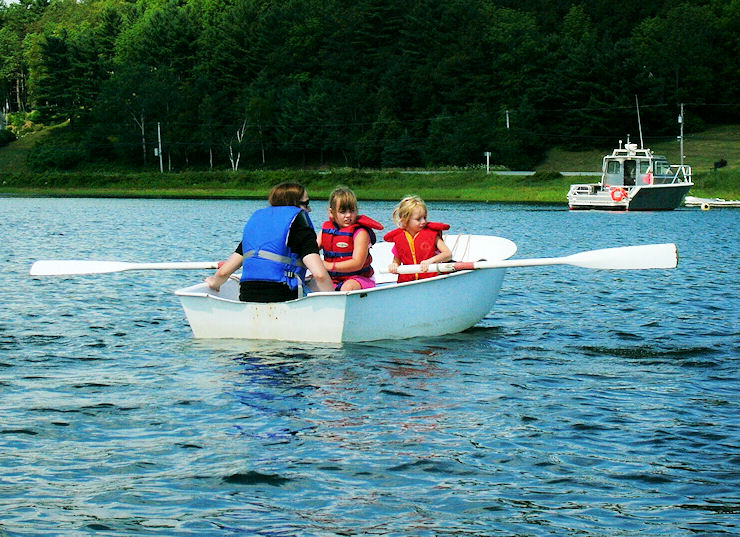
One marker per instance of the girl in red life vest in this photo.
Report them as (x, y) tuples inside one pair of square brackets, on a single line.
[(346, 239), (417, 241)]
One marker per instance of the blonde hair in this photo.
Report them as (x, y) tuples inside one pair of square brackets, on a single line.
[(343, 199), (405, 209), (286, 194)]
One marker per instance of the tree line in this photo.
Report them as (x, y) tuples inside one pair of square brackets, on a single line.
[(391, 83)]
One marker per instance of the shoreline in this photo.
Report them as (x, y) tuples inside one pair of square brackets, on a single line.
[(376, 185), (186, 196)]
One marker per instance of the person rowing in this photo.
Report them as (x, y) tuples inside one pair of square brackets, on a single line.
[(278, 245)]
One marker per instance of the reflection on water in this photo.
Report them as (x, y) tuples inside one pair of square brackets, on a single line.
[(586, 403)]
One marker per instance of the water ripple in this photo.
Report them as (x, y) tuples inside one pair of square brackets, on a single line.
[(586, 403)]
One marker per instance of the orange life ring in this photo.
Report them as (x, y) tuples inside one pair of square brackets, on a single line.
[(618, 194)]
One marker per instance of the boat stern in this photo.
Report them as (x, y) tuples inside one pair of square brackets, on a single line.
[(219, 315)]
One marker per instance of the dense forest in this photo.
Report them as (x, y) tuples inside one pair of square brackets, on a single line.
[(365, 83)]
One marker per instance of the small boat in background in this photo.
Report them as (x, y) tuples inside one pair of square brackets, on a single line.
[(634, 179), (708, 203)]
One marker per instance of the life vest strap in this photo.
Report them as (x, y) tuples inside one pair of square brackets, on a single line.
[(335, 231), (271, 256), (366, 271)]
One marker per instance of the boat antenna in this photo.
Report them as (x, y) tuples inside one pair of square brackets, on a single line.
[(680, 120), (639, 125)]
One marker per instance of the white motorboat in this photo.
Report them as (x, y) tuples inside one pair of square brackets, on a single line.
[(634, 179), (708, 203), (446, 304)]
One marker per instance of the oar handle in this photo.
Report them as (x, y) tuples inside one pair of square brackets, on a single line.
[(66, 267), (174, 265), (438, 267)]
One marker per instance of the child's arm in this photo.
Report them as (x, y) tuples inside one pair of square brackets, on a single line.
[(443, 256), (393, 267)]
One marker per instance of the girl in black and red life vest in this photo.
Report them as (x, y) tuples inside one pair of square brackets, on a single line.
[(346, 239), (417, 241)]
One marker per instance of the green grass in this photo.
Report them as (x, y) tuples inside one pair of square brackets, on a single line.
[(701, 151), (377, 185), (13, 156), (547, 186)]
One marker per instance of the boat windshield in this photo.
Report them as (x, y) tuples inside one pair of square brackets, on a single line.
[(661, 166)]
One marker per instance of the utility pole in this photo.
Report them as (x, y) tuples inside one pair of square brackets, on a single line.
[(159, 139)]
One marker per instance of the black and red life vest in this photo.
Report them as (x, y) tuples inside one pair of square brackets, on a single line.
[(413, 250)]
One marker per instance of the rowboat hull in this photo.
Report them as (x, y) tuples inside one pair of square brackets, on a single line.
[(437, 306)]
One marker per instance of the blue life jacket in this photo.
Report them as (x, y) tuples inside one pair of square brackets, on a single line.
[(265, 247)]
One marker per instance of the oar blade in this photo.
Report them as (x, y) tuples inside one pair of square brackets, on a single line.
[(66, 267), (647, 256)]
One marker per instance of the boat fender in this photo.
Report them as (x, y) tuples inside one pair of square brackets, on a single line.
[(618, 194)]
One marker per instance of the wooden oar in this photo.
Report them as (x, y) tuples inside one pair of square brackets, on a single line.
[(61, 267), (648, 256)]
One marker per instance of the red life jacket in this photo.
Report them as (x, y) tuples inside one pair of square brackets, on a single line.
[(413, 250), (339, 243)]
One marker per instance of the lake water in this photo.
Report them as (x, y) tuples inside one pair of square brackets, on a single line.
[(586, 403)]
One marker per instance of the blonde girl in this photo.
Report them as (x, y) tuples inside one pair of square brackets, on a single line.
[(346, 239), (416, 240)]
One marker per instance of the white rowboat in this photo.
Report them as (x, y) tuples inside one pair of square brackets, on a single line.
[(429, 307)]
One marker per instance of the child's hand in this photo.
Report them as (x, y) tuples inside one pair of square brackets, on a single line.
[(393, 268), (424, 265)]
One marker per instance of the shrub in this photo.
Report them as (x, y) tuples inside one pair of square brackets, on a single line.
[(6, 136), (542, 175), (50, 157)]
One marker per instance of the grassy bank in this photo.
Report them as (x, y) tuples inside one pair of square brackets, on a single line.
[(468, 185), (546, 186), (377, 185)]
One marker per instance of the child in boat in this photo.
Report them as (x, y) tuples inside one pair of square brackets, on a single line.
[(346, 239), (417, 241)]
